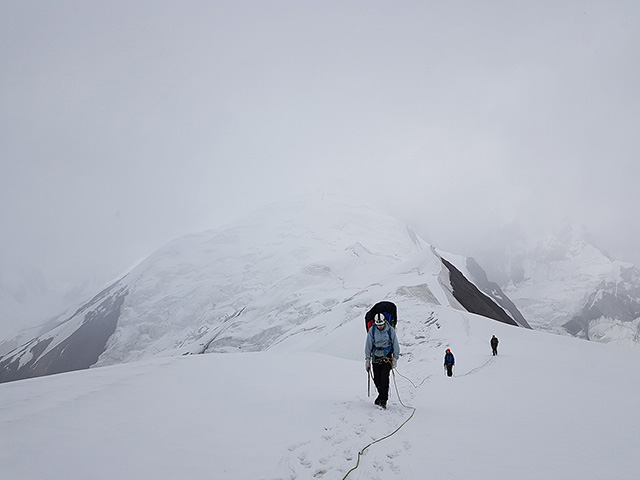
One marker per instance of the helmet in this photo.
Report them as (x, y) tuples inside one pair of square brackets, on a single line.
[(380, 320), (448, 351)]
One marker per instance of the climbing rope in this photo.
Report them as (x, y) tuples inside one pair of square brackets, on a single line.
[(361, 452), (393, 370), (410, 381), (477, 368)]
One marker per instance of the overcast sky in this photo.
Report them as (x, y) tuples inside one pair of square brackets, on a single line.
[(124, 124)]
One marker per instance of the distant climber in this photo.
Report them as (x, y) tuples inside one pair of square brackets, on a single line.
[(381, 352), (494, 345), (449, 362)]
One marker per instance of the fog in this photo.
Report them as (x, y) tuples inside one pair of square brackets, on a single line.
[(126, 124)]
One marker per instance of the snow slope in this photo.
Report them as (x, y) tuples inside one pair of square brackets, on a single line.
[(260, 281), (547, 407)]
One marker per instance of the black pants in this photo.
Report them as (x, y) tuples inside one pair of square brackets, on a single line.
[(495, 350), (449, 368), (381, 379)]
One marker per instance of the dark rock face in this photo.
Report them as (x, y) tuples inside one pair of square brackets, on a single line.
[(616, 300), (472, 299), (77, 351), (494, 291)]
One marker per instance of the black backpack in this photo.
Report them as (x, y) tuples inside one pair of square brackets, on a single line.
[(388, 309)]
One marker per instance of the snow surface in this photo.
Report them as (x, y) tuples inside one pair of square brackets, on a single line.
[(548, 407)]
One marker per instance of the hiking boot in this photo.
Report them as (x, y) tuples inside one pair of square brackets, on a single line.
[(377, 400)]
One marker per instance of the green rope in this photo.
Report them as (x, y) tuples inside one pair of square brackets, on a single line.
[(361, 452)]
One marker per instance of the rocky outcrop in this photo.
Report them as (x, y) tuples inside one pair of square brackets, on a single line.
[(480, 279), (472, 299), (75, 344), (617, 301)]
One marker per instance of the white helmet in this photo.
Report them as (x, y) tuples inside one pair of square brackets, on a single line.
[(380, 320)]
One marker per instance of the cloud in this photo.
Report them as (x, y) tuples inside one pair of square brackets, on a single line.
[(126, 125)]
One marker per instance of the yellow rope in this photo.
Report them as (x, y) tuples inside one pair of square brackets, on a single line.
[(361, 452), (393, 370)]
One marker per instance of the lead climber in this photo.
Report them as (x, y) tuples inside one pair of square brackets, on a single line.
[(381, 353)]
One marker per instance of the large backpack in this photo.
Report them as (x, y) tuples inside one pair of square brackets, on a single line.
[(388, 309)]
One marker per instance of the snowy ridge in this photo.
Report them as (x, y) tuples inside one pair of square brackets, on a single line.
[(290, 413), (254, 284), (282, 392)]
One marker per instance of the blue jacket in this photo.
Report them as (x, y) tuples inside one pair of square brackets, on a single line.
[(448, 359), (383, 343)]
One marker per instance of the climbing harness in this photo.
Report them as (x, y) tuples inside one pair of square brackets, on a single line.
[(387, 351)]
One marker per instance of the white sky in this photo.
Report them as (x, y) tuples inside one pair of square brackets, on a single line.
[(125, 124)]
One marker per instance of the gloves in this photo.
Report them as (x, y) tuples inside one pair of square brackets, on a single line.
[(394, 362), (367, 364)]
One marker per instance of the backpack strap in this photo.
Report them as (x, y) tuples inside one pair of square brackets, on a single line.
[(373, 341)]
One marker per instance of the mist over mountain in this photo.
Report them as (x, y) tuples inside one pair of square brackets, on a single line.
[(24, 294), (31, 303), (565, 284), (257, 283), (267, 277)]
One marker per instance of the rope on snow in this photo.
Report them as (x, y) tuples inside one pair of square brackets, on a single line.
[(361, 452)]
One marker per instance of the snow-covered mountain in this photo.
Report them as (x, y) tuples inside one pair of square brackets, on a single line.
[(563, 284), (547, 407), (257, 283), (277, 301)]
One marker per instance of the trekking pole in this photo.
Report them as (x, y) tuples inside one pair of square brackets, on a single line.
[(368, 384)]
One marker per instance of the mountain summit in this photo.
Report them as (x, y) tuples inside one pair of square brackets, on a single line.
[(564, 284), (256, 284)]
